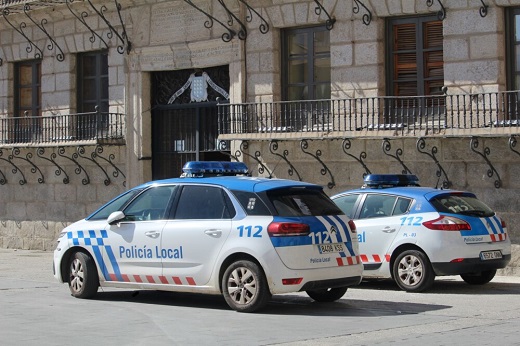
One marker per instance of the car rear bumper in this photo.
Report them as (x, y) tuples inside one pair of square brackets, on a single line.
[(332, 283), (469, 265)]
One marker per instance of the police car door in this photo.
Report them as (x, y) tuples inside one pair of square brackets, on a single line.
[(378, 223), (193, 237), (133, 252)]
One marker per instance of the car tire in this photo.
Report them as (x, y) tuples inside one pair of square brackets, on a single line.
[(412, 271), (245, 287), (327, 295), (83, 278), (479, 279)]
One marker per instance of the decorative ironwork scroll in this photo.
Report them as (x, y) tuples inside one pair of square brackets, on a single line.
[(3, 180), (15, 168), (41, 151), (398, 153), (223, 147), (329, 24), (273, 147), (491, 171), (242, 33), (16, 154), (81, 153), (304, 145), (441, 14), (367, 17), (38, 54), (97, 153), (82, 19), (126, 45), (264, 26), (421, 145), (346, 145), (262, 168), (208, 24), (79, 168), (512, 144), (59, 56), (483, 10)]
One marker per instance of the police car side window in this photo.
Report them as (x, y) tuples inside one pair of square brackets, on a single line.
[(203, 202), (251, 203), (114, 205), (401, 206), (152, 204), (377, 206), (347, 203)]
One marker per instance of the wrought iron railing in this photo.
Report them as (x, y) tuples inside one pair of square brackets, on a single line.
[(58, 129), (433, 114)]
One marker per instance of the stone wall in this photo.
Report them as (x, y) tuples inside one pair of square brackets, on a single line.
[(48, 188)]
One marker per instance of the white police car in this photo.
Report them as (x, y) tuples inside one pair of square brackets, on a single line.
[(246, 238), (412, 233)]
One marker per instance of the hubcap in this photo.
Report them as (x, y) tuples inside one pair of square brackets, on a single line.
[(77, 275), (242, 285), (410, 270)]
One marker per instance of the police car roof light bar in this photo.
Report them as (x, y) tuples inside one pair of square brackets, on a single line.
[(213, 168), (390, 180)]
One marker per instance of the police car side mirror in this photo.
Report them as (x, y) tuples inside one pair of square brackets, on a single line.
[(115, 217)]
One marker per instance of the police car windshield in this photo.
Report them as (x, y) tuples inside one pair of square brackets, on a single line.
[(302, 202), (461, 204)]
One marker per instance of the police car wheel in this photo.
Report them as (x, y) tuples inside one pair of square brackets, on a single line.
[(83, 279), (244, 287), (480, 278), (412, 271), (328, 294)]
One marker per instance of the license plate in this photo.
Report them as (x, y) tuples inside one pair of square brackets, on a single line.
[(331, 248), (489, 255)]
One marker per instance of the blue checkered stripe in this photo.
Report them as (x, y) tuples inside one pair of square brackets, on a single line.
[(95, 240)]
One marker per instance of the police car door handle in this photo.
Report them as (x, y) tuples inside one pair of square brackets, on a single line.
[(388, 230), (152, 234), (215, 233)]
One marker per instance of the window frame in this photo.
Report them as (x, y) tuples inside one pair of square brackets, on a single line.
[(98, 76), (511, 67)]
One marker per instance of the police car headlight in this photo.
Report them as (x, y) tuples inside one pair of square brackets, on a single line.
[(61, 235)]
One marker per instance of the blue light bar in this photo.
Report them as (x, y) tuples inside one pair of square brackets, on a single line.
[(213, 168), (390, 180)]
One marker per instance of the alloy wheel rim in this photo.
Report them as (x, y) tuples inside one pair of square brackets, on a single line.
[(242, 285), (410, 270)]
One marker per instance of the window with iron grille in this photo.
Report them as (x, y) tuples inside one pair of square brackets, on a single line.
[(27, 101), (415, 53), (92, 87), (306, 64)]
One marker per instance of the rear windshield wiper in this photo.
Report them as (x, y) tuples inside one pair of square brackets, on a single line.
[(480, 213)]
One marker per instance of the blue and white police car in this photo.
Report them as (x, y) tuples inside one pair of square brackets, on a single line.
[(412, 234), (214, 230)]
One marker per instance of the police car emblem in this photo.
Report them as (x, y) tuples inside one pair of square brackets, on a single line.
[(333, 230)]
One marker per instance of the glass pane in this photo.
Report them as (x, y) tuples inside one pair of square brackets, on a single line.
[(297, 71), (298, 93), (104, 88), (89, 65), (517, 56), (25, 74), (322, 91), (89, 89), (321, 42), (322, 70), (298, 44), (517, 28), (25, 98)]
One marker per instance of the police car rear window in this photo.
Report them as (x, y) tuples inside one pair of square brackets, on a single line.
[(461, 204), (302, 202)]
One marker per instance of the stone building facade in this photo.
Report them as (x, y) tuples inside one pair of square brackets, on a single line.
[(153, 55)]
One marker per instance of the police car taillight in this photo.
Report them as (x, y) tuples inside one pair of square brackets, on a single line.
[(503, 223), (213, 168), (283, 229), (352, 226), (447, 223)]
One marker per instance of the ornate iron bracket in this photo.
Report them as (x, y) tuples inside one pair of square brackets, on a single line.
[(304, 144), (27, 158), (441, 14), (82, 20), (3, 180), (512, 144), (126, 45), (41, 151), (227, 36), (38, 54), (346, 145), (1, 61), (117, 171), (367, 17), (223, 147), (59, 56), (15, 168), (243, 147), (483, 10), (421, 145), (273, 146), (81, 153), (79, 168), (473, 146), (242, 33), (264, 26), (398, 153), (329, 24)]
